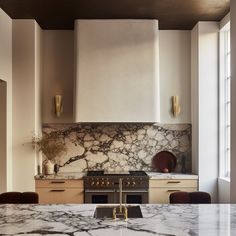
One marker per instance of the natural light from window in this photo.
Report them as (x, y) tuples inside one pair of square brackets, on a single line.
[(225, 78)]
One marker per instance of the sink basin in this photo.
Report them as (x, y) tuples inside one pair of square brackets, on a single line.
[(107, 212)]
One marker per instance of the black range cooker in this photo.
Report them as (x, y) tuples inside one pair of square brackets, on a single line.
[(103, 187)]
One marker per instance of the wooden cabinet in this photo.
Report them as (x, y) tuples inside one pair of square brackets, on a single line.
[(60, 191), (160, 190)]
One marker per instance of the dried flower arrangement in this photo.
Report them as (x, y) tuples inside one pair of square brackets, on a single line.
[(51, 145)]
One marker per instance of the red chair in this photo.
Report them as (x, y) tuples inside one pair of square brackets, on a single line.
[(19, 198), (190, 198), (179, 198), (200, 198)]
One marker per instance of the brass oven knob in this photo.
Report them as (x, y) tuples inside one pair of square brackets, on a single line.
[(108, 182), (97, 183), (134, 183), (92, 183)]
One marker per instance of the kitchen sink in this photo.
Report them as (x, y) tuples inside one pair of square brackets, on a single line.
[(107, 211)]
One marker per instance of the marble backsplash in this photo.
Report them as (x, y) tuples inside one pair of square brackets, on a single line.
[(116, 147)]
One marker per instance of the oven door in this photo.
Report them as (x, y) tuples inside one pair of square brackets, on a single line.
[(99, 196), (135, 196)]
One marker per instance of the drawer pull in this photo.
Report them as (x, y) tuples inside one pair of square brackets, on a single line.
[(57, 182), (57, 190), (173, 190), (174, 182)]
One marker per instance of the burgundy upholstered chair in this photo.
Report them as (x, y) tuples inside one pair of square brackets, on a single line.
[(192, 198), (200, 197), (19, 198), (179, 197)]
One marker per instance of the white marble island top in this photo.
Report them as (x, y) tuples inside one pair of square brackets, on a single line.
[(181, 220)]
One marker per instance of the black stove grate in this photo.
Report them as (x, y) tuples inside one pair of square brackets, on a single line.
[(95, 173), (102, 173)]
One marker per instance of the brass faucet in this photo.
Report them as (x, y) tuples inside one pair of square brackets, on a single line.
[(122, 210)]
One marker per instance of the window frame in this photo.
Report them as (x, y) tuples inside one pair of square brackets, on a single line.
[(224, 102)]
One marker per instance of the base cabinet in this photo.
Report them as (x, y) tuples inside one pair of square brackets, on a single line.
[(60, 192), (160, 190)]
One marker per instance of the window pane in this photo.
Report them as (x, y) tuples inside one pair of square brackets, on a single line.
[(228, 114), (228, 41), (225, 107), (228, 137), (228, 65), (228, 89)]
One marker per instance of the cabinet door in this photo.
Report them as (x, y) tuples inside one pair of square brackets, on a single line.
[(161, 195), (173, 183), (60, 195), (59, 183)]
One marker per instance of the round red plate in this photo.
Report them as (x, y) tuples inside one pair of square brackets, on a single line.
[(164, 161)]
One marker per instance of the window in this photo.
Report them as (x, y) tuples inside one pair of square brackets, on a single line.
[(224, 108)]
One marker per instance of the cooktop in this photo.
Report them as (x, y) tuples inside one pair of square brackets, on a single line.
[(112, 173)]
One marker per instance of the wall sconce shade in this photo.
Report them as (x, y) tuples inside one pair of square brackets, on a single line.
[(58, 105), (175, 105)]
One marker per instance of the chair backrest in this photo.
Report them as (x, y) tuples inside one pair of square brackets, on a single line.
[(179, 197), (19, 198), (200, 197), (192, 198)]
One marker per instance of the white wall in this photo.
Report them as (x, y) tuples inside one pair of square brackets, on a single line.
[(6, 75), (205, 97), (225, 20), (194, 97), (26, 110), (3, 136), (58, 52), (175, 74), (224, 190), (233, 101), (58, 74)]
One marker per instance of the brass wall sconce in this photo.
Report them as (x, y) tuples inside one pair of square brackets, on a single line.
[(175, 105), (58, 105)]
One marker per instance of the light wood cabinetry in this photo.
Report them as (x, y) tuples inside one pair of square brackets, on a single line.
[(160, 190), (60, 191)]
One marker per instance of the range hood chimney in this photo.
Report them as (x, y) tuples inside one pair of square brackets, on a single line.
[(117, 71)]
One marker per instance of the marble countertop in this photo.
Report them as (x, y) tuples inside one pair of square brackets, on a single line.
[(64, 175), (152, 175), (77, 220), (159, 175)]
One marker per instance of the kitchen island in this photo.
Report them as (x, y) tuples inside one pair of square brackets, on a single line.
[(209, 220)]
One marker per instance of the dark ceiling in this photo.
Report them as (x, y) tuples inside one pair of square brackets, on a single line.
[(172, 14)]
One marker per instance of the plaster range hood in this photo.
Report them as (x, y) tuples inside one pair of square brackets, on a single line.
[(117, 71)]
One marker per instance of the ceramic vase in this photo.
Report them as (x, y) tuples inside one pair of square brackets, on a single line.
[(49, 168)]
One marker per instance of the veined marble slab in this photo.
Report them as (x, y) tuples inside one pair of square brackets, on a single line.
[(158, 175), (120, 147), (65, 175), (179, 220)]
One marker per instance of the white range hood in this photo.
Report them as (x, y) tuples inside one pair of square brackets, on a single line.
[(117, 71)]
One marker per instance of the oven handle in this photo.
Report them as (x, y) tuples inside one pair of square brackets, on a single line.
[(134, 191), (99, 191)]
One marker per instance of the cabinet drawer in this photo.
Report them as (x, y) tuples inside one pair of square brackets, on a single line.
[(59, 183), (161, 195), (60, 195), (190, 183)]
